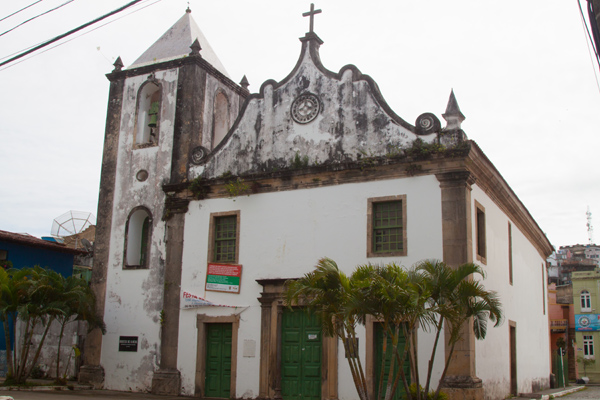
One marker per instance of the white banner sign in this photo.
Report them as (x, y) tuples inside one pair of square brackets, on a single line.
[(189, 300)]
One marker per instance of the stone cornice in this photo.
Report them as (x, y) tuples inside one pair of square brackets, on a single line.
[(493, 184), (177, 63), (470, 167)]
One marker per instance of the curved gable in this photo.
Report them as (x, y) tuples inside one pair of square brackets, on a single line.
[(353, 121)]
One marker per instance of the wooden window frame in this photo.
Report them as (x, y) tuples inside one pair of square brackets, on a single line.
[(211, 236), (588, 346), (480, 233), (544, 287), (585, 296), (370, 206), (510, 255)]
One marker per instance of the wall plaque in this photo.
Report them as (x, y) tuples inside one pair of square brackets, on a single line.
[(128, 343)]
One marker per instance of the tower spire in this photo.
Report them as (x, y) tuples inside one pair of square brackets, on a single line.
[(453, 116)]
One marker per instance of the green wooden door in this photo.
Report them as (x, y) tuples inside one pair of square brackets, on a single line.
[(218, 360), (300, 356), (379, 356)]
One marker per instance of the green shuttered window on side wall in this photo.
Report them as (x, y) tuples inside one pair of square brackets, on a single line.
[(225, 237), (387, 227)]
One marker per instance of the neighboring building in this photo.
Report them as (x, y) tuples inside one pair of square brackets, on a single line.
[(568, 259), (23, 251), (215, 197), (562, 323), (587, 321)]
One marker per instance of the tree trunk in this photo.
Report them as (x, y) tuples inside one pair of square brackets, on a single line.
[(9, 360), (437, 392), (28, 334), (60, 336), (39, 349), (432, 358)]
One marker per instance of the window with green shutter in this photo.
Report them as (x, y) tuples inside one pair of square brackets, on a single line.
[(386, 230), (387, 227), (225, 239)]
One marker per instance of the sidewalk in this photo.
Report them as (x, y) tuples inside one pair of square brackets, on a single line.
[(545, 394), (44, 385)]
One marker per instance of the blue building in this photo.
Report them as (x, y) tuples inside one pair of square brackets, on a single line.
[(28, 251)]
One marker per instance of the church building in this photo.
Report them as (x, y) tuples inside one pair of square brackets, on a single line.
[(211, 197)]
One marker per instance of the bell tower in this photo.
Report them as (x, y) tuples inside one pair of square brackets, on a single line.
[(175, 101)]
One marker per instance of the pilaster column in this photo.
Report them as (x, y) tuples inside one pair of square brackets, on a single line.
[(92, 371), (461, 381), (167, 380)]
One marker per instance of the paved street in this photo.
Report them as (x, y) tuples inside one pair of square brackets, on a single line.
[(83, 395), (591, 393)]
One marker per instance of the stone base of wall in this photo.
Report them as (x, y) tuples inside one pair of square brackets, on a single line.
[(166, 382), (464, 393), (463, 388), (92, 375)]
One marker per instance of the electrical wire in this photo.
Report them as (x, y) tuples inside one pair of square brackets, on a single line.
[(594, 26), (37, 16), (72, 31), (78, 36), (586, 31), (24, 8)]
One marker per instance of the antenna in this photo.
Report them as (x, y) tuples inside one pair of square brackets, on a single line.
[(71, 225), (590, 228)]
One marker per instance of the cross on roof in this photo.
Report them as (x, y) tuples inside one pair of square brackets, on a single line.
[(312, 14)]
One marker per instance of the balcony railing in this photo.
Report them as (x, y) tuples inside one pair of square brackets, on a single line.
[(558, 325)]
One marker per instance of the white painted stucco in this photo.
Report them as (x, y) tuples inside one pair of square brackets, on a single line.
[(524, 302), (283, 235)]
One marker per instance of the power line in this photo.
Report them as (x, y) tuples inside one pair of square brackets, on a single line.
[(76, 37), (57, 38), (37, 16), (586, 31), (24, 8)]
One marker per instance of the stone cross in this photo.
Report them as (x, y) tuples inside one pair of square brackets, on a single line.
[(312, 14)]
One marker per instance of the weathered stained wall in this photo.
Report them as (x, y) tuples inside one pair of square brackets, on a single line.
[(354, 121), (214, 86), (134, 297)]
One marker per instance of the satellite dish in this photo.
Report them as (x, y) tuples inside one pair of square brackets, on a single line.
[(87, 245), (70, 227)]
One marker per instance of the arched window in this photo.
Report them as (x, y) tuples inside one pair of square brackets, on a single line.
[(220, 118), (138, 234), (586, 301), (148, 114)]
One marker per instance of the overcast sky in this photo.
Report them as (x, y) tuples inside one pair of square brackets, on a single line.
[(521, 71)]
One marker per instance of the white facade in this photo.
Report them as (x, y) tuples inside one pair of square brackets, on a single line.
[(351, 150)]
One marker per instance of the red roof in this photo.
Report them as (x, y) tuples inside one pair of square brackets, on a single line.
[(28, 240)]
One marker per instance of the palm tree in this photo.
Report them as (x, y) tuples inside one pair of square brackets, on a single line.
[(43, 306), (77, 302), (457, 298), (430, 294), (326, 291), (13, 294)]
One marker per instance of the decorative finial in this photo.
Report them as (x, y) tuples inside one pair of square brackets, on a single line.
[(195, 48), (453, 116), (244, 82), (312, 14), (118, 64), (188, 10)]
